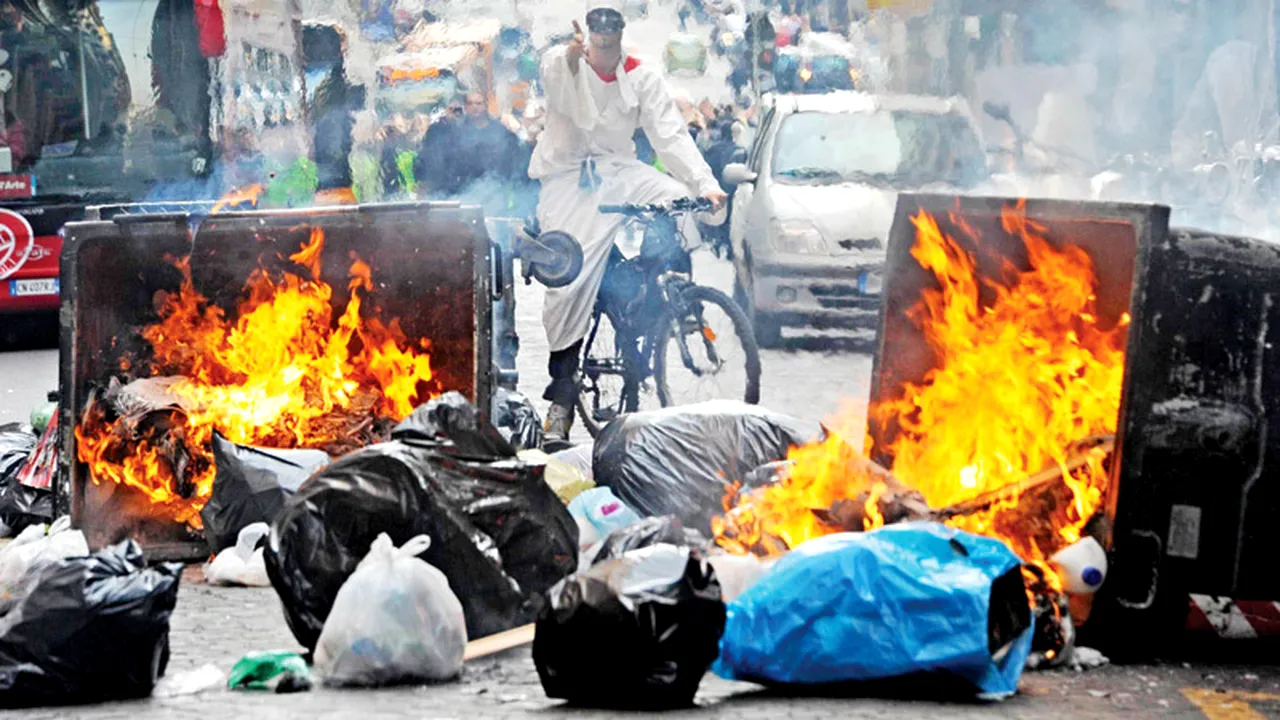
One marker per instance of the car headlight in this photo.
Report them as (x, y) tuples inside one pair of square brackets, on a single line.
[(799, 238), (726, 39)]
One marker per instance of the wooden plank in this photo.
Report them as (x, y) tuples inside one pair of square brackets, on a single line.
[(500, 642)]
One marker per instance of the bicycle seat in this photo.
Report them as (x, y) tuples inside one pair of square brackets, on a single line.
[(532, 227)]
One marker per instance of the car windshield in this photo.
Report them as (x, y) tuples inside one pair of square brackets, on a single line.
[(888, 148)]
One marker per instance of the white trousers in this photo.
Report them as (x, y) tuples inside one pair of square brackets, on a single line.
[(565, 206)]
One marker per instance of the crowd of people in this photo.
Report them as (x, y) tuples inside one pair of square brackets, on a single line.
[(470, 154)]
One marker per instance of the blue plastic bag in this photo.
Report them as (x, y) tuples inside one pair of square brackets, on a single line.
[(599, 510), (908, 598)]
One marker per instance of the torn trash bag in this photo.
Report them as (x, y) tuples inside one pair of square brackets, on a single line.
[(904, 599)]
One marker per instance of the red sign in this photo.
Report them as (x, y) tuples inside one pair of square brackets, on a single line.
[(16, 242), (16, 186)]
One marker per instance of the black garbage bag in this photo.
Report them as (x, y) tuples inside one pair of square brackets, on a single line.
[(497, 530), (646, 533), (678, 461), (517, 419), (17, 442), (636, 632), (20, 505), (89, 630), (458, 427), (251, 485)]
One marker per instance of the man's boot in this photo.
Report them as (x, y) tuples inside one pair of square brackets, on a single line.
[(559, 422)]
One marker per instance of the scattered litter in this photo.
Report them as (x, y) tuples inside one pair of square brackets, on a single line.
[(647, 533), (498, 533), (192, 682), (599, 512), (242, 563), (1250, 676), (907, 598), (17, 441), (1081, 565), (453, 420), (27, 466), (657, 612), (736, 573), (90, 629), (395, 621), (34, 548), (1083, 658), (1054, 633), (580, 457), (517, 419), (677, 461), (565, 480), (43, 414), (499, 642), (250, 486), (1099, 693), (279, 671)]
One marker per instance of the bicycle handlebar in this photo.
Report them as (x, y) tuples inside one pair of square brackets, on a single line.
[(679, 205)]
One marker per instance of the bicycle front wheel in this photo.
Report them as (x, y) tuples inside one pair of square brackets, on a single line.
[(611, 382), (709, 354)]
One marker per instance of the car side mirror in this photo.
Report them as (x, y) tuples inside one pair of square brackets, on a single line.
[(737, 173)]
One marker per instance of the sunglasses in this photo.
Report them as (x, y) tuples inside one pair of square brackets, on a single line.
[(605, 20)]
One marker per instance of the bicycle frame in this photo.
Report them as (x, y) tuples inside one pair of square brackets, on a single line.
[(661, 293)]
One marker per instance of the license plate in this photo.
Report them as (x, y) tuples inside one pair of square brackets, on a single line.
[(870, 283), (47, 286)]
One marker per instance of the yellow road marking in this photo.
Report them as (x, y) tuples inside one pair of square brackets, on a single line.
[(1228, 705)]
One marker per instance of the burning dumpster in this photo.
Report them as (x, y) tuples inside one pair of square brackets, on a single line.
[(294, 329), (1049, 370)]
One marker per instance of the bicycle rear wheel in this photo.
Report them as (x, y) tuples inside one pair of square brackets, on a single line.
[(602, 391), (724, 359)]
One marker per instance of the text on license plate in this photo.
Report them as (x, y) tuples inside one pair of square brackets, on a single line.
[(45, 286)]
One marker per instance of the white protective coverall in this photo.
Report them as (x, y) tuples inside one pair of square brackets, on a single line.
[(588, 117)]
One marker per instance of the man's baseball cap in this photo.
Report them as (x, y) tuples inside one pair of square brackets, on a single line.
[(605, 16)]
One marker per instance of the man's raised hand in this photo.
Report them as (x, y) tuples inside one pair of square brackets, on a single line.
[(576, 48)]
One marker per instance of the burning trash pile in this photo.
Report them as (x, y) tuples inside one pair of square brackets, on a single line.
[(1008, 435), (317, 452), (279, 372)]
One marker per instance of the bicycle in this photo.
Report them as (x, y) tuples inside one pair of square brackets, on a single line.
[(645, 302), (647, 311)]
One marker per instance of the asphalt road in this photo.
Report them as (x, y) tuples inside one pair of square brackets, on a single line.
[(811, 377), (815, 376)]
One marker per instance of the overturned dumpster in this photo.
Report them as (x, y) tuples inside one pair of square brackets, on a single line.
[(288, 329), (1049, 371)]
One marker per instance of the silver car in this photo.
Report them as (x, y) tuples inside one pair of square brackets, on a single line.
[(815, 201)]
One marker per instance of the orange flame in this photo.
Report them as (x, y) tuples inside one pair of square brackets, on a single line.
[(1018, 384), (236, 198), (280, 374)]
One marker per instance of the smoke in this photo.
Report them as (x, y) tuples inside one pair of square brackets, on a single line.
[(1126, 86)]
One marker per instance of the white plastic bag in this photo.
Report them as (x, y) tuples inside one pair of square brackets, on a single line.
[(565, 480), (736, 573), (34, 547), (394, 621), (580, 457), (243, 563)]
